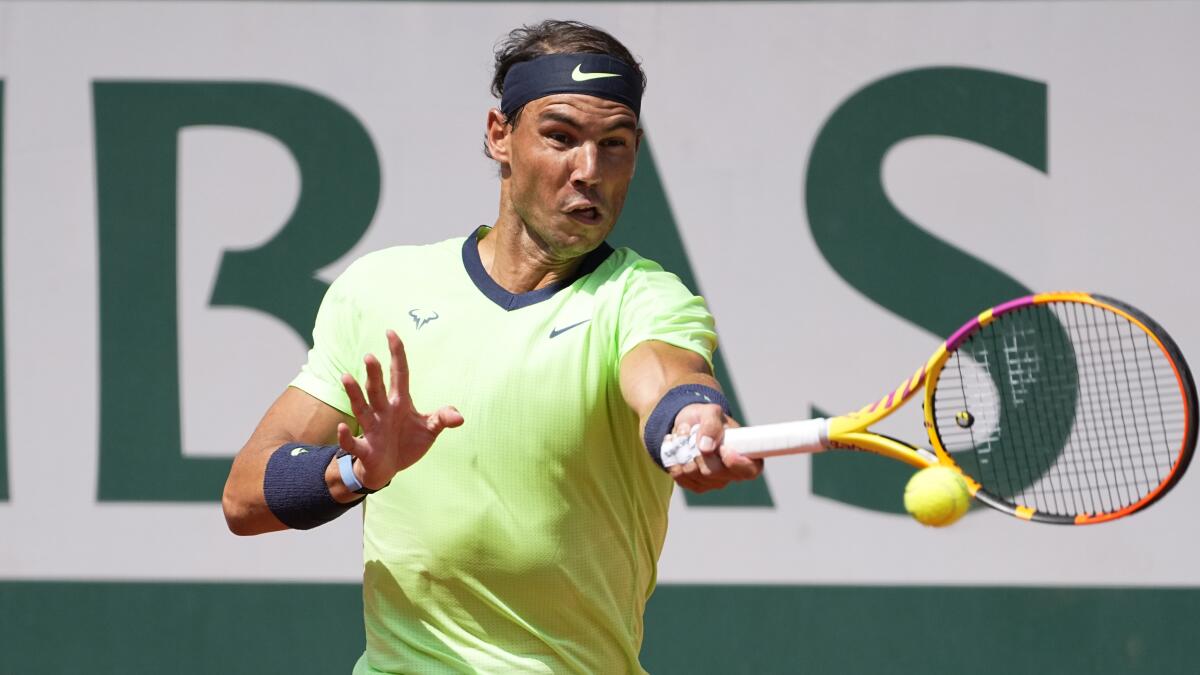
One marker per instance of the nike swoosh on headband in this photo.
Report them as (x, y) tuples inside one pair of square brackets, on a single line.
[(580, 76)]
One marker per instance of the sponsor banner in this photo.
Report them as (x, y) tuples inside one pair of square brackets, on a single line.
[(844, 182)]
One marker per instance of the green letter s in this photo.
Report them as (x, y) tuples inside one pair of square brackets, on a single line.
[(886, 256)]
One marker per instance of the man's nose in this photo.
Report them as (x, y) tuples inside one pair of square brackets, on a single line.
[(586, 164)]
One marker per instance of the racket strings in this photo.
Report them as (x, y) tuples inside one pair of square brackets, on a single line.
[(1105, 437), (1058, 488), (1066, 408), (1075, 486), (1137, 426), (1102, 442), (1021, 372)]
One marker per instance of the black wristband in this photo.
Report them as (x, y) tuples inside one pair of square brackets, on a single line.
[(295, 489), (662, 419)]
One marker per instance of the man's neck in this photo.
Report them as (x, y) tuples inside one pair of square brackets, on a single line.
[(520, 262)]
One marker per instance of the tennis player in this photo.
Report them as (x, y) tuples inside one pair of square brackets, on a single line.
[(519, 530)]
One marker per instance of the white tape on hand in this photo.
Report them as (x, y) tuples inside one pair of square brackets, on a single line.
[(680, 449)]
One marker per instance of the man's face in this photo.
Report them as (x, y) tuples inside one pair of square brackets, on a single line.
[(571, 158)]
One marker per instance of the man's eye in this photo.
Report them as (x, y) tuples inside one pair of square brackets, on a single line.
[(615, 142), (559, 138)]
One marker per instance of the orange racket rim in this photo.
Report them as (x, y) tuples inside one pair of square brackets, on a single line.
[(1170, 351)]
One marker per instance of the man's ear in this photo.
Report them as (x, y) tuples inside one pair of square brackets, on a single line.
[(499, 135)]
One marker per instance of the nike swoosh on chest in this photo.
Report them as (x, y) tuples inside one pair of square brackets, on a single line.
[(555, 332)]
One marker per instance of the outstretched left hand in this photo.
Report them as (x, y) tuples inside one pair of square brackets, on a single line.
[(394, 435)]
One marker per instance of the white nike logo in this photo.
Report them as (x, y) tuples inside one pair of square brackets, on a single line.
[(580, 76), (296, 452)]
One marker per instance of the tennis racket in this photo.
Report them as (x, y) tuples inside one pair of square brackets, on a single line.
[(1066, 408)]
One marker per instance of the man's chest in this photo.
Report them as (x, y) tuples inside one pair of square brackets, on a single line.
[(469, 352)]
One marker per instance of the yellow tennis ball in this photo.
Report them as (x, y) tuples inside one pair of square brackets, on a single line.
[(937, 496)]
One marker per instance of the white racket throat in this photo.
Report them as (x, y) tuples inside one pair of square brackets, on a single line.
[(785, 438)]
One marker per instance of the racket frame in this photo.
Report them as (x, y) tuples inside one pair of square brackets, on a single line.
[(1183, 378), (850, 431), (1174, 357)]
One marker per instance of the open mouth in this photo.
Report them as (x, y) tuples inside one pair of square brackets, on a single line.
[(588, 214)]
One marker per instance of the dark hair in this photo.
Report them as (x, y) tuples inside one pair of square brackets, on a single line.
[(555, 37)]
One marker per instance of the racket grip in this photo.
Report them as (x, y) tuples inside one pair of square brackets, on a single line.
[(786, 438)]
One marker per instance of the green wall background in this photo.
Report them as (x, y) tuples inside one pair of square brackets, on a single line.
[(226, 628), (239, 627)]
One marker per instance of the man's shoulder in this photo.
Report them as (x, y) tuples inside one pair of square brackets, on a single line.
[(631, 270)]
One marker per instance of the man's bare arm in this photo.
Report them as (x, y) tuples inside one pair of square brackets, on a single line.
[(653, 368), (295, 417)]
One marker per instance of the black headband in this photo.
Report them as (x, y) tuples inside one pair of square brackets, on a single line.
[(597, 75)]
